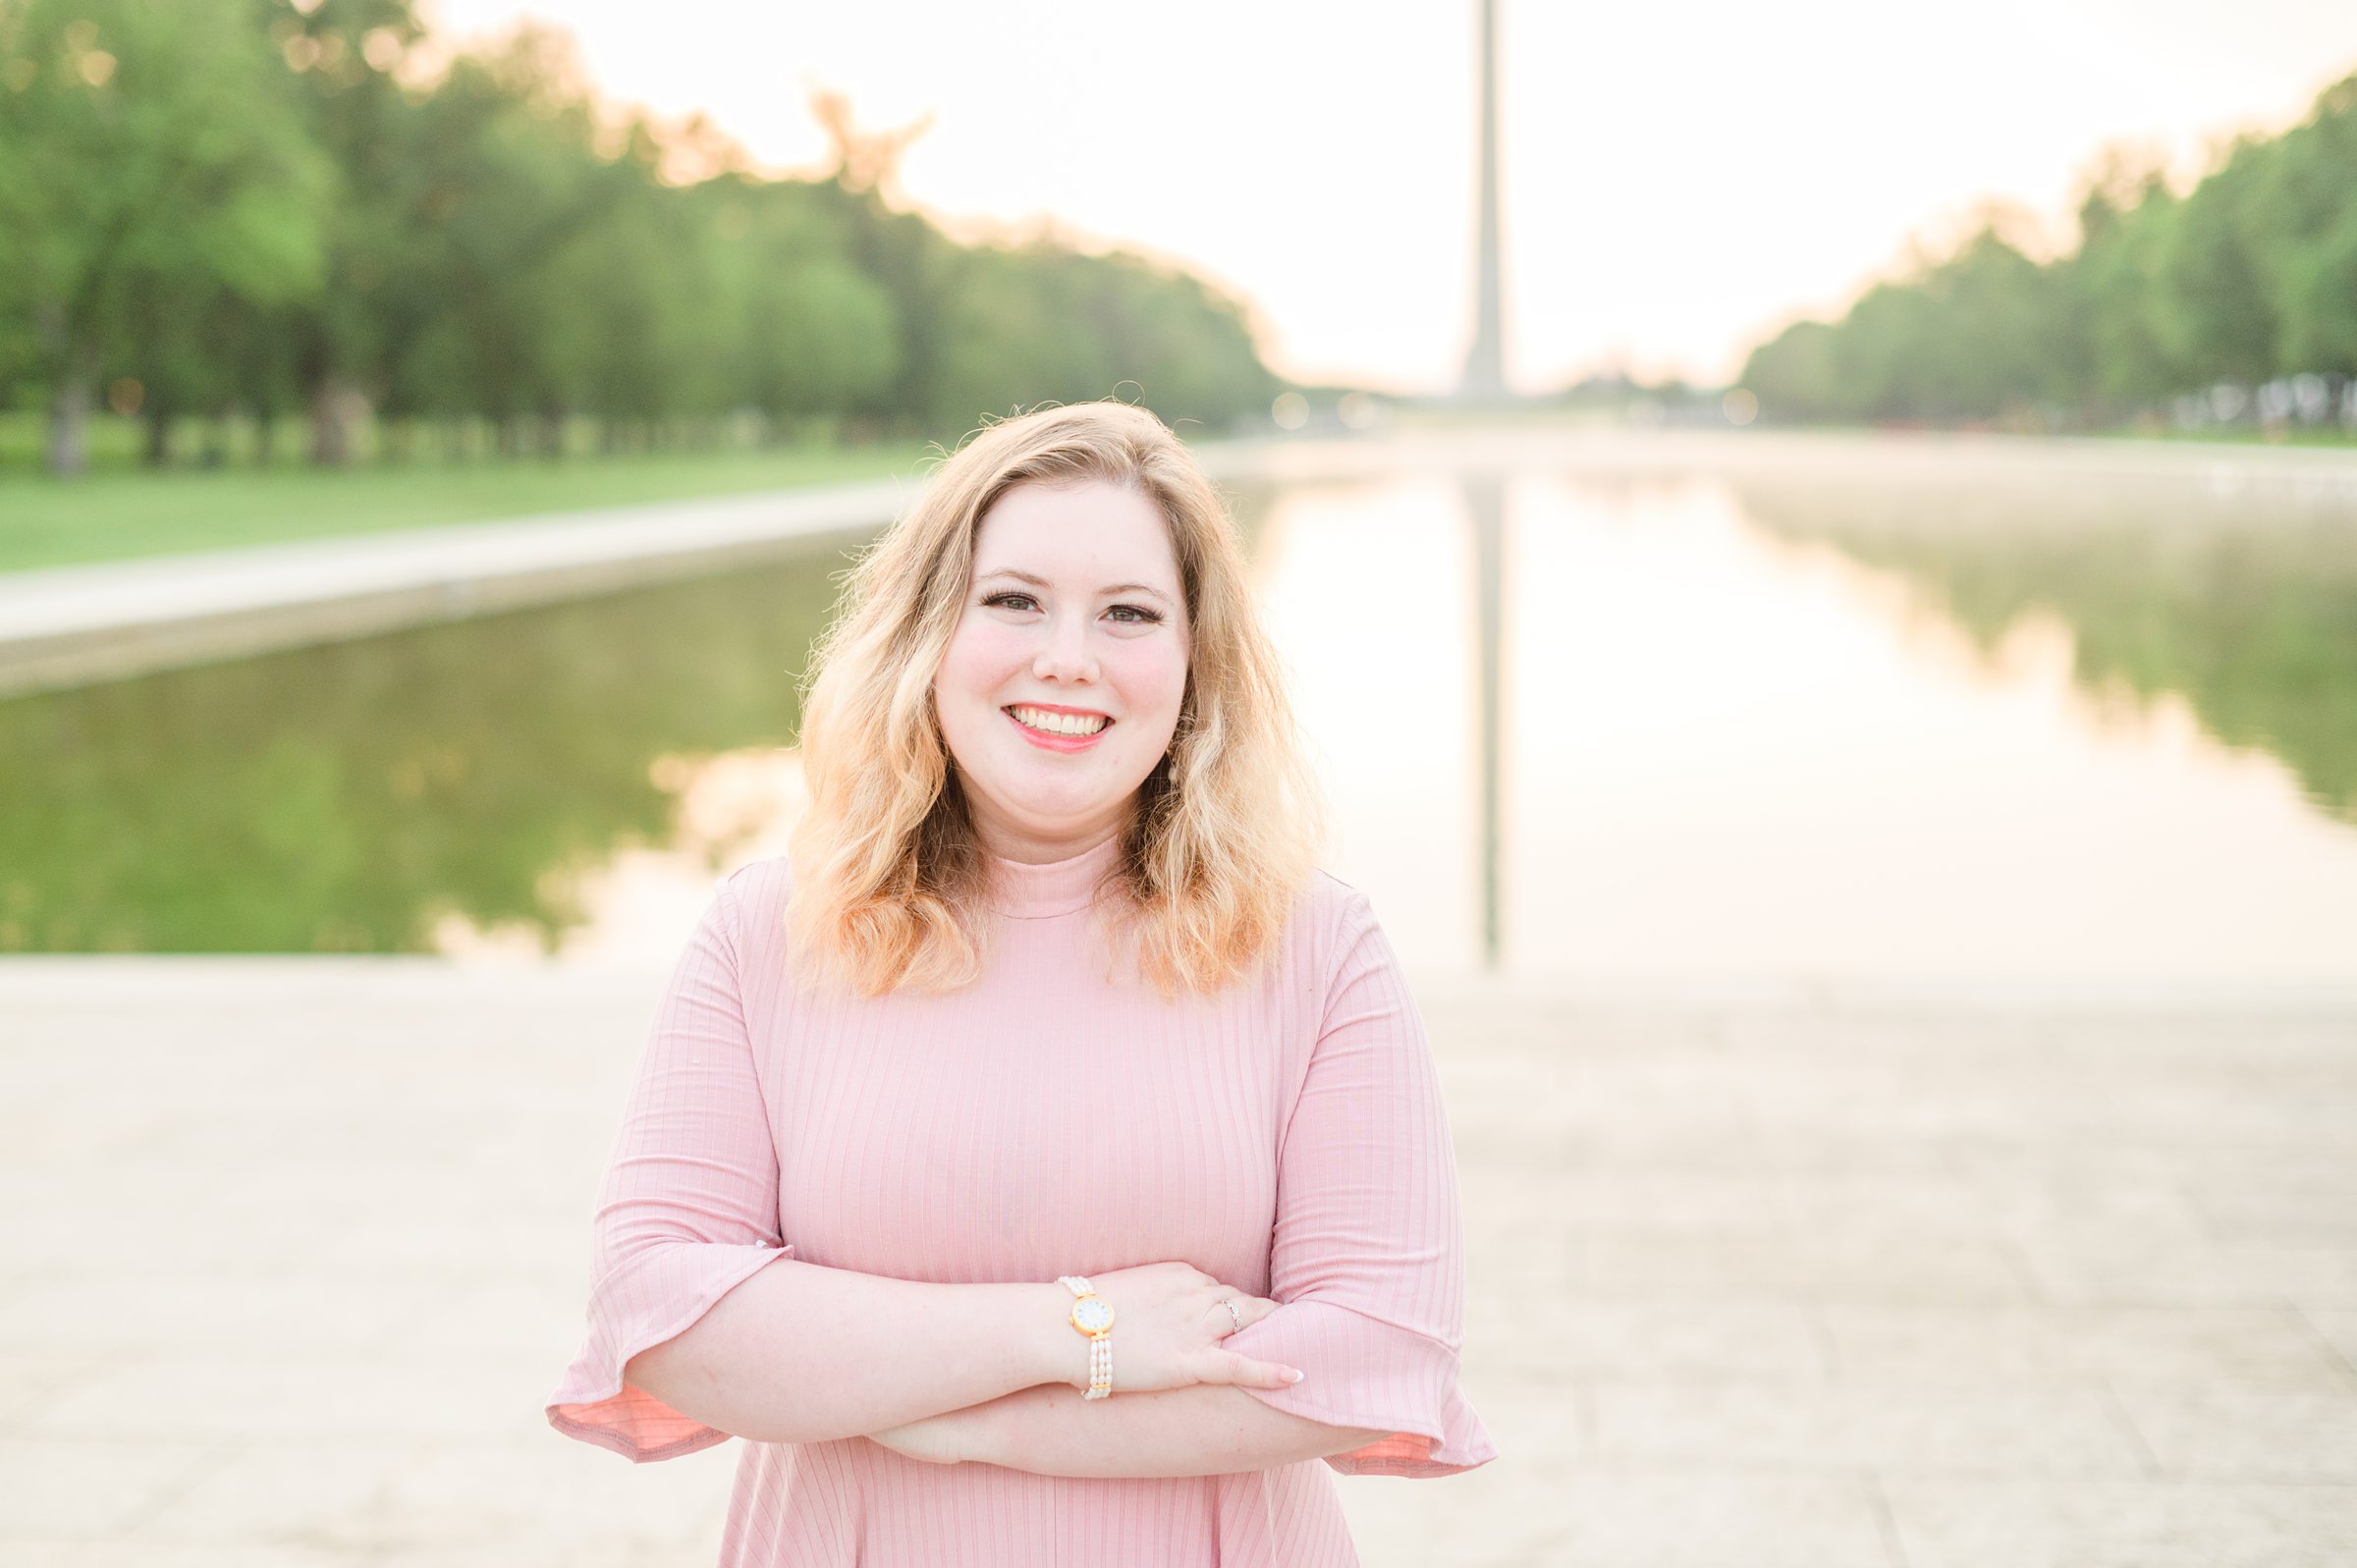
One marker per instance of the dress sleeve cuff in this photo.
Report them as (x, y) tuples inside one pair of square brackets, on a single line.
[(658, 1295), (1361, 1372)]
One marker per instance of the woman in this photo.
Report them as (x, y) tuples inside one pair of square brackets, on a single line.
[(1042, 1161)]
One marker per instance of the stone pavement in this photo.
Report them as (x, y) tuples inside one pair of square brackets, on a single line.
[(1759, 1278)]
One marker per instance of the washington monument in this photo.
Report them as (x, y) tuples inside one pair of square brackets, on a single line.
[(1485, 369)]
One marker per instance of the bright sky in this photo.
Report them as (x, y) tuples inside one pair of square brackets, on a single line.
[(1680, 181)]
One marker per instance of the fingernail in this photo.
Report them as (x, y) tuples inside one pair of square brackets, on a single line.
[(1294, 1376)]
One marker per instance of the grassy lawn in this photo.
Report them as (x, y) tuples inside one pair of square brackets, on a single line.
[(117, 512)]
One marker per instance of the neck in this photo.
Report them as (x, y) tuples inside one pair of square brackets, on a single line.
[(1065, 885), (1036, 847)]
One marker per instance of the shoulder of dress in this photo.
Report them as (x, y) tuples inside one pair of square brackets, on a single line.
[(1326, 882), (758, 885), (1331, 894), (1330, 910)]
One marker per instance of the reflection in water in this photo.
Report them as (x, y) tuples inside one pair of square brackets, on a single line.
[(2241, 600), (353, 798), (1368, 588), (1781, 719), (632, 908), (1762, 759), (1485, 510)]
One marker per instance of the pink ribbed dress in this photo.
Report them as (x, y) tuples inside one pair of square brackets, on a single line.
[(1286, 1137)]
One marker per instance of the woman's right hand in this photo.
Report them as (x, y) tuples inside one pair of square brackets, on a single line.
[(1167, 1326)]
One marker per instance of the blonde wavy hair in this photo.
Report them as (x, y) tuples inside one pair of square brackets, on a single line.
[(888, 875)]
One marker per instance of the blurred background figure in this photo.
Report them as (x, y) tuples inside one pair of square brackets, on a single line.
[(1818, 553)]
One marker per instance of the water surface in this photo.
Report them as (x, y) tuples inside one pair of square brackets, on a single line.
[(1772, 710)]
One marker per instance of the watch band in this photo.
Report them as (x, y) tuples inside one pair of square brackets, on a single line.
[(1092, 1316)]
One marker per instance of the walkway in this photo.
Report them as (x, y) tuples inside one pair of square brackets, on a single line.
[(1826, 1281), (67, 625)]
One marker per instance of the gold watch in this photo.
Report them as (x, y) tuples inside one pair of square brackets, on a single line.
[(1092, 1316)]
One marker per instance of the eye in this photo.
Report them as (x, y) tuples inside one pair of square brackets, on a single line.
[(998, 598), (1145, 617)]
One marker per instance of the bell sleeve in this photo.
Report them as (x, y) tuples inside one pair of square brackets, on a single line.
[(1367, 1255), (689, 1206)]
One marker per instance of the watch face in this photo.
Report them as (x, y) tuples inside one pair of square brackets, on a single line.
[(1094, 1315)]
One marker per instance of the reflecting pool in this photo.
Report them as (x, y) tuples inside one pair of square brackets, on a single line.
[(1759, 708)]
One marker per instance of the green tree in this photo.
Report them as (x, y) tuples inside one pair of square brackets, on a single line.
[(2248, 277), (380, 225), (1797, 375), (817, 335), (297, 205), (2216, 312), (2112, 284), (151, 162), (2311, 206)]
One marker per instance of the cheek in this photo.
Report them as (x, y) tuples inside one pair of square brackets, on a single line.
[(1151, 680), (981, 658)]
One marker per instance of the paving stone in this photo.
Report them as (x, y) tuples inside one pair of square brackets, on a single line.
[(64, 1492), (1622, 1264), (1653, 1200), (2236, 1434), (1965, 1100), (1893, 1427), (173, 1311), (141, 1554), (313, 1496), (29, 1375), (524, 1321), (2338, 1328), (1563, 1340), (2288, 1206), (45, 1242), (2256, 1347), (1947, 1522), (1496, 1514), (564, 1496), (2141, 1270), (412, 1247), (1606, 1515), (201, 1397), (700, 1553), (2002, 1203), (1752, 1278)]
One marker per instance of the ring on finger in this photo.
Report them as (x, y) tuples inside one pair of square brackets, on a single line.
[(1230, 1304)]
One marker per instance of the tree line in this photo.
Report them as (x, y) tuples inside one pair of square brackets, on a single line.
[(2234, 300), (274, 208)]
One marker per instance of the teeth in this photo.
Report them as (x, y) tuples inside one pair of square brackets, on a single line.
[(1059, 723)]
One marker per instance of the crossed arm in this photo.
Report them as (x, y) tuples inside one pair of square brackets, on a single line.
[(947, 1373), (1054, 1430)]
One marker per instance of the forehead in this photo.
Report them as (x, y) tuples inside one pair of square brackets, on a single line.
[(1076, 529)]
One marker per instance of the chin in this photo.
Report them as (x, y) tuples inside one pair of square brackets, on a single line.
[(1061, 800), (1048, 813)]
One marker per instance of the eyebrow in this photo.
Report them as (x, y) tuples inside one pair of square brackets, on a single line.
[(1042, 582)]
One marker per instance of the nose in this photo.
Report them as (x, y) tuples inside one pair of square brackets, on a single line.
[(1064, 652)]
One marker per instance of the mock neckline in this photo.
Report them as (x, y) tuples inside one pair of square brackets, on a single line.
[(1027, 891)]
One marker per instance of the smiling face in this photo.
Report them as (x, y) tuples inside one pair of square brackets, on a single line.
[(1074, 614)]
